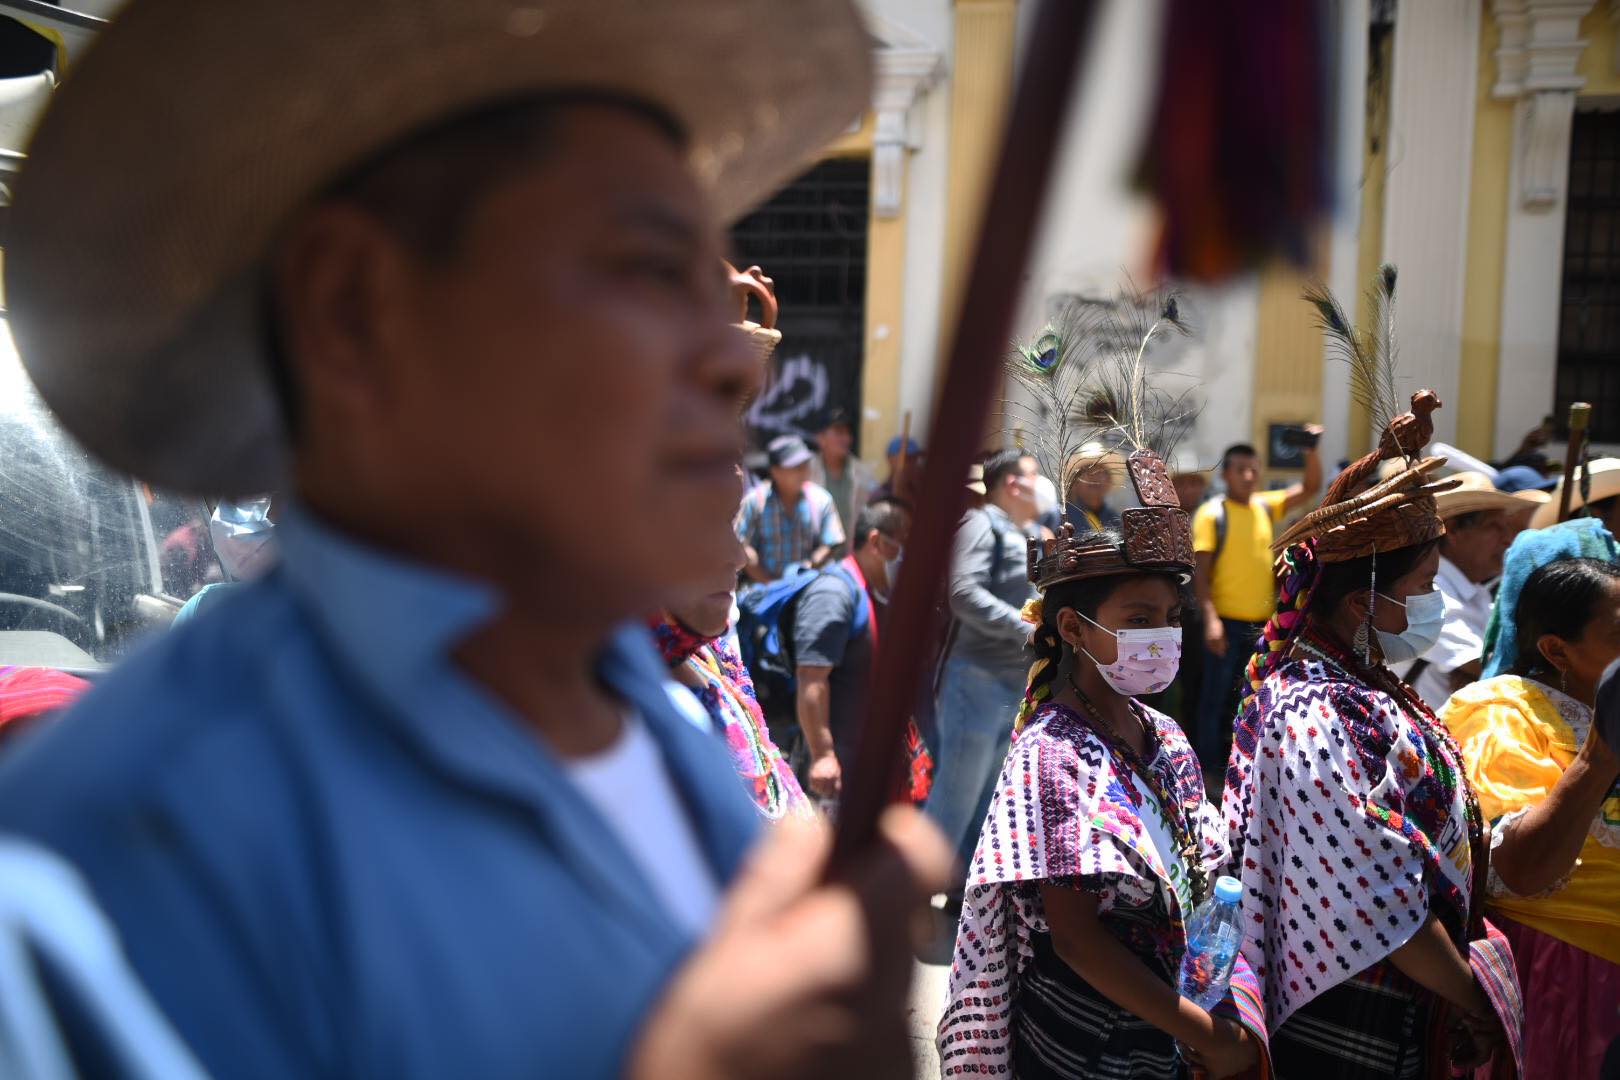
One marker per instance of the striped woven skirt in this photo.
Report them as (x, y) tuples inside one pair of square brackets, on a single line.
[(1376, 1026), (1063, 1029)]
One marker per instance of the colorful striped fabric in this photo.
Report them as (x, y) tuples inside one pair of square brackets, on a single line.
[(1244, 1004), (1491, 959), (30, 691)]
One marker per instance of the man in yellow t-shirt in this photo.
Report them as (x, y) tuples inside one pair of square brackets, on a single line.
[(1234, 583)]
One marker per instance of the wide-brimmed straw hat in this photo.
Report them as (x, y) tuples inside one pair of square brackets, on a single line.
[(1475, 492), (1605, 485), (190, 133)]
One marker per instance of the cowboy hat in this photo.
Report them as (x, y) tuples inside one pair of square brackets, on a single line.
[(191, 133), (1474, 493), (1605, 474)]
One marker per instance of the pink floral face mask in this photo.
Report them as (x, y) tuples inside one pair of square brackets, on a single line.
[(1148, 659)]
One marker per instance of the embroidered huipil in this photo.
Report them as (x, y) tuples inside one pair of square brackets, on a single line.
[(1348, 827), (727, 695), (1067, 811)]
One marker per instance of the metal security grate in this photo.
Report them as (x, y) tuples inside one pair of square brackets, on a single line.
[(1589, 322), (811, 239)]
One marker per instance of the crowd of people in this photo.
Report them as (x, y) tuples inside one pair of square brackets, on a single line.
[(1394, 713), (454, 786), (1413, 687)]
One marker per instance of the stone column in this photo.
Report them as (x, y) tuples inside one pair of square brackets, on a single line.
[(1536, 67), (1426, 209)]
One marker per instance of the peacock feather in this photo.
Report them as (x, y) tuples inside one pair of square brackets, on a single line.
[(1088, 381), (1370, 353)]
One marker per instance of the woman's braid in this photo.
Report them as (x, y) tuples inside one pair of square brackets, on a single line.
[(1042, 673), (1300, 572)]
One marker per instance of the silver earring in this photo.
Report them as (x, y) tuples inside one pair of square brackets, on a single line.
[(1364, 631)]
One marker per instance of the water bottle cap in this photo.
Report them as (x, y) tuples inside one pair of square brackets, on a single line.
[(1228, 890)]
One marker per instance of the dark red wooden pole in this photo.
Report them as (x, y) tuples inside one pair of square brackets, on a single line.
[(972, 377)]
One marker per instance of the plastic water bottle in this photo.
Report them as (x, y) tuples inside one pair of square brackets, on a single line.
[(1214, 934)]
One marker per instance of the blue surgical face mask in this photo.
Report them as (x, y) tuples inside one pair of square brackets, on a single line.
[(891, 567), (1425, 617), (242, 533)]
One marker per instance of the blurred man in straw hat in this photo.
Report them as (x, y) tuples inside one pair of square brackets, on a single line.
[(416, 804), (1603, 501), (1480, 524), (1093, 472)]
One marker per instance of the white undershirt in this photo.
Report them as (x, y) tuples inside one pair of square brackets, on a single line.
[(630, 786)]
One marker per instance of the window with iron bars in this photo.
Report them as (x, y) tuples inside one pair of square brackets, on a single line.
[(811, 240), (1589, 317)]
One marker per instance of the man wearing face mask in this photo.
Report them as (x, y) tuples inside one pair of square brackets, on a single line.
[(836, 624), (243, 535)]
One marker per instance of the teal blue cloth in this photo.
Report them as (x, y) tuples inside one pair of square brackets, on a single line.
[(330, 853), (1582, 538), (205, 598)]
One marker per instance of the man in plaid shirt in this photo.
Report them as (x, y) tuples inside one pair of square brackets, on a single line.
[(787, 521)]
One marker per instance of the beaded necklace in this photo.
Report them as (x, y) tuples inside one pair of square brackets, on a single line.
[(1446, 760), (1183, 827)]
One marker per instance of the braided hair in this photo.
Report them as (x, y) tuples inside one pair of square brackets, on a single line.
[(1048, 649), (1300, 573), (1084, 595)]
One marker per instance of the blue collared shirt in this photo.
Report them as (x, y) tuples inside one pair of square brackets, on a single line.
[(330, 853)]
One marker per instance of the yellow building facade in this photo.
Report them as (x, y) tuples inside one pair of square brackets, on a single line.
[(1453, 131)]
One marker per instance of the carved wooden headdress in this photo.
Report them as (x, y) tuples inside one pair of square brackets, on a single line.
[(1157, 536)]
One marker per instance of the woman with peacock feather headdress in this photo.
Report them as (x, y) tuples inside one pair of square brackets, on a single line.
[(1099, 842), (1354, 830)]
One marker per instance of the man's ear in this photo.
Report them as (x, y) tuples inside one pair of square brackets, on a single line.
[(342, 283)]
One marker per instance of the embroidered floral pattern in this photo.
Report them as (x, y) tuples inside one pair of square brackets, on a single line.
[(727, 695)]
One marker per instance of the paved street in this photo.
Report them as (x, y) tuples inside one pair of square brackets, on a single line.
[(927, 1002), (928, 993)]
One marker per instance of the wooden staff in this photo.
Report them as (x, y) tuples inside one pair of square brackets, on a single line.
[(1017, 193), (905, 453), (1580, 415)]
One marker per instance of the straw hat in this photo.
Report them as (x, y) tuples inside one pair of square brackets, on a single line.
[(190, 133), (1605, 485), (1093, 454), (1475, 492)]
